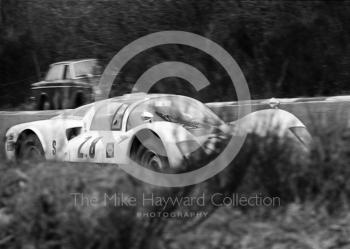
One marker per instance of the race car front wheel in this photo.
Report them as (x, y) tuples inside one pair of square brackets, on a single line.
[(30, 149)]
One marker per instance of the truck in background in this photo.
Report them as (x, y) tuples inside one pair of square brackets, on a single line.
[(67, 84)]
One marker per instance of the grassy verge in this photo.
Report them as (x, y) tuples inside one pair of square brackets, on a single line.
[(38, 210)]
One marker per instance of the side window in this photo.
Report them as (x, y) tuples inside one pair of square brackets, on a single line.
[(55, 72), (87, 68), (104, 116), (66, 74), (157, 107), (118, 118), (135, 119)]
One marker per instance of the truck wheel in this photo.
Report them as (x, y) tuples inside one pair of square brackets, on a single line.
[(30, 149), (79, 100), (44, 104)]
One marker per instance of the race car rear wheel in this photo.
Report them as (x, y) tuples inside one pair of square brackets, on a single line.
[(30, 149), (151, 160), (145, 154)]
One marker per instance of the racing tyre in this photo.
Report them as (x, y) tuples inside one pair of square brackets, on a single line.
[(30, 149), (147, 156)]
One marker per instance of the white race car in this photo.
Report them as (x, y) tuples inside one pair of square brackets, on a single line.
[(158, 131)]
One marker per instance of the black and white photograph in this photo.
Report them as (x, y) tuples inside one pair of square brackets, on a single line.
[(174, 124)]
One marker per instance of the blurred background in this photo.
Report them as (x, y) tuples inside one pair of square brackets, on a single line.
[(285, 48)]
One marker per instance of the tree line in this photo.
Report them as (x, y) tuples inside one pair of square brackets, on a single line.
[(285, 48)]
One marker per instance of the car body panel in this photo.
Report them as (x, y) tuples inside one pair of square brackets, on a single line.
[(272, 121), (51, 134)]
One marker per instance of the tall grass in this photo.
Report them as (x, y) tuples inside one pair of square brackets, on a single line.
[(37, 209)]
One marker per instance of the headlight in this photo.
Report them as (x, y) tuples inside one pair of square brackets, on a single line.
[(10, 137), (10, 144)]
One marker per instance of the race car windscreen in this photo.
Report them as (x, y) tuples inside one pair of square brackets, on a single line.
[(189, 113)]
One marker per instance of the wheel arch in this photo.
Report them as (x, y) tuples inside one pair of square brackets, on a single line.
[(26, 132), (135, 141), (165, 131), (262, 121)]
